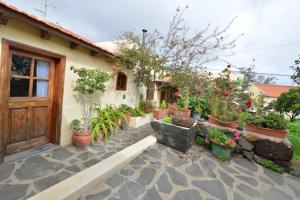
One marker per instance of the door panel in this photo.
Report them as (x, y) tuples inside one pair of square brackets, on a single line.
[(29, 104), (18, 125), (40, 117)]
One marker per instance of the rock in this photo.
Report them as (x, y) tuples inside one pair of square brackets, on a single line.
[(277, 152), (245, 144), (188, 123), (251, 138), (187, 194), (274, 193), (248, 154), (283, 163), (238, 149)]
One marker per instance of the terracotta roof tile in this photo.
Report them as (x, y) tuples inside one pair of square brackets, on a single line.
[(273, 90), (52, 26)]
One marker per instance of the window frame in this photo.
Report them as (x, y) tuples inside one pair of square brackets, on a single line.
[(31, 76), (121, 83)]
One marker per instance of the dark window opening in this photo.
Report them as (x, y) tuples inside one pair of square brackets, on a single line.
[(121, 81)]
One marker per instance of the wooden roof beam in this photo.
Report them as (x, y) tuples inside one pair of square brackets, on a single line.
[(74, 45), (45, 35), (4, 17)]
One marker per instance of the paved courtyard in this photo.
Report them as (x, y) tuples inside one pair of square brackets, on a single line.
[(28, 176), (161, 173)]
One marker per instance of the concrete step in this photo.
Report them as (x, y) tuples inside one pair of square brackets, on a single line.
[(72, 187)]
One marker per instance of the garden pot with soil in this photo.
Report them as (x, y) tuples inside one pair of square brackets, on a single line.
[(196, 115), (174, 136), (184, 113), (160, 113), (215, 121), (80, 140), (266, 131), (221, 152)]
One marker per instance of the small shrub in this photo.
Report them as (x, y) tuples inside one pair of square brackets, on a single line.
[(219, 137), (200, 140), (163, 105), (146, 106), (167, 120), (136, 112), (271, 120), (272, 166), (244, 116), (125, 108), (294, 138)]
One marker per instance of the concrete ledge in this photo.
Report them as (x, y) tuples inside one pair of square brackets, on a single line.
[(136, 122), (72, 187)]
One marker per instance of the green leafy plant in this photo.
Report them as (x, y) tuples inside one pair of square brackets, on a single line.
[(224, 97), (183, 102), (271, 165), (125, 108), (89, 82), (200, 140), (106, 120), (146, 106), (167, 120), (163, 105), (270, 120), (76, 125), (219, 137), (289, 103), (244, 116), (294, 137), (136, 112)]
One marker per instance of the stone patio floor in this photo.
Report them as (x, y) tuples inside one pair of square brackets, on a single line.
[(163, 173), (25, 177)]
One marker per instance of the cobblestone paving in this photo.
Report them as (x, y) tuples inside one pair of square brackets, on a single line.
[(161, 173), (25, 177)]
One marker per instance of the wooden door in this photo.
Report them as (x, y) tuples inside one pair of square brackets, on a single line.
[(27, 120), (164, 95)]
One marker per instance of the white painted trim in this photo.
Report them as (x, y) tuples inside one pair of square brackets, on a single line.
[(72, 187), (136, 122)]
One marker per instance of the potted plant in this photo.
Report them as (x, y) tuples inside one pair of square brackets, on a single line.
[(183, 110), (222, 146), (126, 110), (175, 133), (223, 101), (271, 124), (139, 118), (106, 121), (89, 82), (161, 112), (77, 131)]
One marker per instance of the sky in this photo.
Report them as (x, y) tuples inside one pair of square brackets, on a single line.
[(270, 27)]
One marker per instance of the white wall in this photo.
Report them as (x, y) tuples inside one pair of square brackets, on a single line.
[(26, 34)]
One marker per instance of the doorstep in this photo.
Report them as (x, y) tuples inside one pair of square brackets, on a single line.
[(28, 176)]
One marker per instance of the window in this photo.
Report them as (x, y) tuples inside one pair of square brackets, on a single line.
[(121, 81), (29, 76)]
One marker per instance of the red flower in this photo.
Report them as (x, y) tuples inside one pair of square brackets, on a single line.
[(226, 94), (231, 143), (248, 103), (236, 135)]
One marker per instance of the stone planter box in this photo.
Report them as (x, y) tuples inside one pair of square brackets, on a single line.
[(266, 131), (176, 137), (215, 121), (136, 122), (159, 113)]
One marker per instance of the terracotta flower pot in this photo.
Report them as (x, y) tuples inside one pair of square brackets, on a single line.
[(81, 141), (184, 113), (159, 113), (266, 131), (218, 122), (128, 116)]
